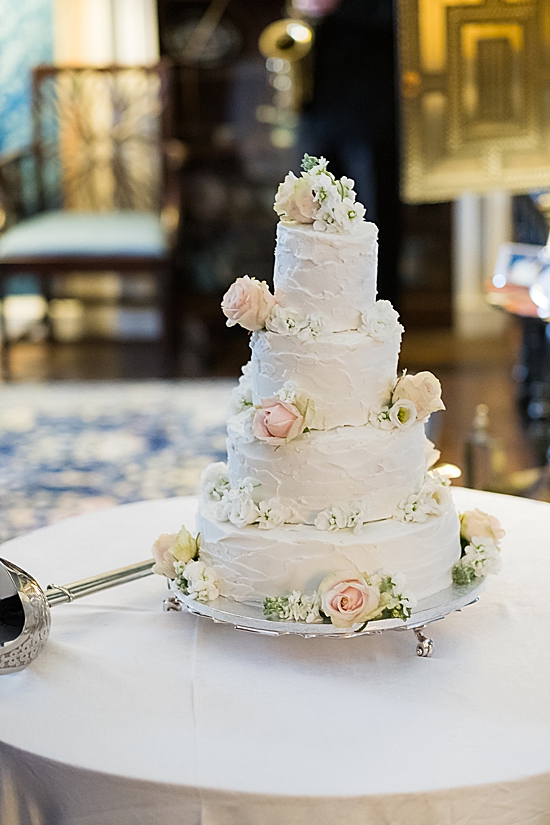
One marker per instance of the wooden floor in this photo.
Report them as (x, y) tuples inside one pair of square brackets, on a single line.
[(472, 372)]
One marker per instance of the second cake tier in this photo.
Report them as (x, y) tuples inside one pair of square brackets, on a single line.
[(322, 469), (345, 374)]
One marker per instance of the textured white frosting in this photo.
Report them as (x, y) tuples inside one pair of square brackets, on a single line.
[(327, 275), (252, 563), (321, 469), (345, 374)]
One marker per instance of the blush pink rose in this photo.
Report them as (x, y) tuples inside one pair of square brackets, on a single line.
[(347, 599), (164, 560), (423, 389), (277, 421), (476, 523), (248, 302)]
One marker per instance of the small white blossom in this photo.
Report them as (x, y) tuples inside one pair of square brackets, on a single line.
[(334, 519), (284, 321), (201, 581), (241, 395), (313, 327), (287, 392), (403, 413), (432, 500), (272, 514), (243, 511), (296, 607), (219, 510), (482, 555), (381, 418), (413, 508), (215, 481), (381, 321), (357, 516)]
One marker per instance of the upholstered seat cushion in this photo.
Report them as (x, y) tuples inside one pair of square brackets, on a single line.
[(86, 234)]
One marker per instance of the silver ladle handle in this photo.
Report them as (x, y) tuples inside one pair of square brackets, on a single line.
[(25, 608), (59, 593)]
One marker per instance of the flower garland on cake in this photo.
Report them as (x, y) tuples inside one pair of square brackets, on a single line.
[(346, 599)]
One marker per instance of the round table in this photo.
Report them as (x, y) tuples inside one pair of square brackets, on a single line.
[(132, 716)]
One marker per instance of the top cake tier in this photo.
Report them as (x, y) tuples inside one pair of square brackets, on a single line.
[(327, 275)]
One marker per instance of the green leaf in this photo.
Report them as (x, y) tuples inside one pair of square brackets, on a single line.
[(309, 162), (462, 575)]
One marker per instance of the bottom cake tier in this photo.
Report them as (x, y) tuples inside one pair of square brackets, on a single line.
[(252, 564)]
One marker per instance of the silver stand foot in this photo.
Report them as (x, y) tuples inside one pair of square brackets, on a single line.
[(425, 645), (171, 603)]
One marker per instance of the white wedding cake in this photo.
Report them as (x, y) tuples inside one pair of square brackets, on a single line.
[(327, 508)]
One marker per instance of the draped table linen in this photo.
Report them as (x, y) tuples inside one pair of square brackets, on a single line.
[(132, 716)]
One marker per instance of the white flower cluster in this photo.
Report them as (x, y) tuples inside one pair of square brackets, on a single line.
[(294, 608), (338, 517), (346, 599), (215, 482), (241, 395), (318, 198), (397, 600), (481, 557), (237, 505), (381, 321), (197, 580), (285, 322), (432, 500)]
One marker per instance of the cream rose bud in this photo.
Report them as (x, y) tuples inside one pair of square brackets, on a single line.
[(277, 421), (476, 523), (248, 302), (185, 546), (164, 560), (423, 389), (347, 599)]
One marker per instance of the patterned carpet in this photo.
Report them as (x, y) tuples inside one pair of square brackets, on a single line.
[(72, 448)]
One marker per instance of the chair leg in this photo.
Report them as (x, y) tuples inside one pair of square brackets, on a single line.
[(171, 322), (46, 287), (5, 367)]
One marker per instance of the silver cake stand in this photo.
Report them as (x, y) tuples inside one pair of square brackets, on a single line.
[(250, 618)]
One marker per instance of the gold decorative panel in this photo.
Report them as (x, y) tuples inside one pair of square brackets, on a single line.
[(475, 96), (98, 136)]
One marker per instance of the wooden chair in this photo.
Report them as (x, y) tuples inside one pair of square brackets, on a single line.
[(98, 189)]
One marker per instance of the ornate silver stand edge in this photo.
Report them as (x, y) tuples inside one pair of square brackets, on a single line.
[(250, 618)]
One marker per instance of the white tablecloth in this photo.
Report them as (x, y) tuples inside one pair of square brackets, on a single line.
[(132, 716)]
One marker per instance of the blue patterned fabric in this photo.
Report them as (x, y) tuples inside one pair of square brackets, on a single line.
[(87, 234), (70, 448), (26, 40)]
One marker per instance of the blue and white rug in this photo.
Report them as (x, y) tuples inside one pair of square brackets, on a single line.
[(71, 448)]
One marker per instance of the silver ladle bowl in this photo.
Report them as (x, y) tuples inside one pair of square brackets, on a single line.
[(25, 619)]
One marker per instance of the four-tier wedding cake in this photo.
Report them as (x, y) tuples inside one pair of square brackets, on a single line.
[(327, 509)]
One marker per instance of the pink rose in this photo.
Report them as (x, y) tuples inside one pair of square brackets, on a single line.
[(347, 599), (248, 302), (423, 389), (295, 200), (277, 421), (164, 560), (476, 523)]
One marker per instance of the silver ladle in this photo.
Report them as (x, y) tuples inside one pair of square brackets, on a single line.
[(25, 608)]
